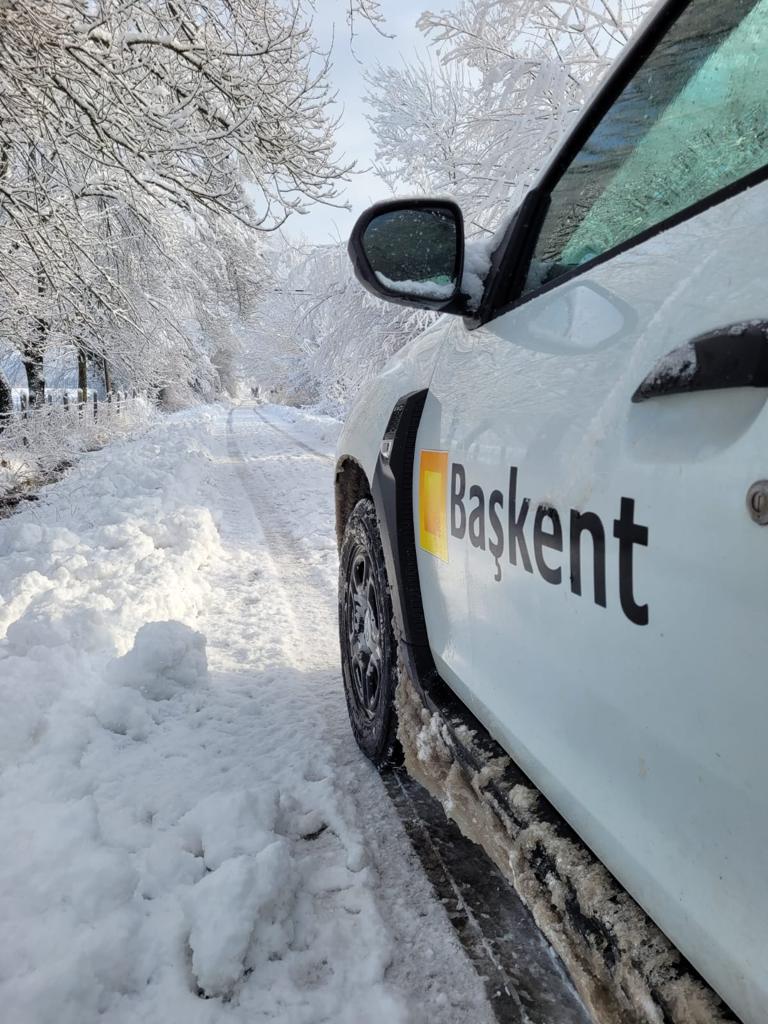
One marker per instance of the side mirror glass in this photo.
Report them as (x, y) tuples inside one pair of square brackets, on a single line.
[(411, 252)]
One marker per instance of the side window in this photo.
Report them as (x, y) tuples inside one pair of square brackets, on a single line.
[(693, 120)]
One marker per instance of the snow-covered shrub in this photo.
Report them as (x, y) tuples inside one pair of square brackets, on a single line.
[(37, 443)]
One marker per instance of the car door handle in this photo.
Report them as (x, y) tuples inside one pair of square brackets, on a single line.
[(729, 357)]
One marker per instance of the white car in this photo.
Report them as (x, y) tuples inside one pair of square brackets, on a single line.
[(566, 484)]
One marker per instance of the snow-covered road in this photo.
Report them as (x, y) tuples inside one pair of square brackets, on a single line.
[(189, 833)]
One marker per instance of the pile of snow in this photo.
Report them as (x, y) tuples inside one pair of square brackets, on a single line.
[(433, 290), (477, 264), (180, 843), (167, 657)]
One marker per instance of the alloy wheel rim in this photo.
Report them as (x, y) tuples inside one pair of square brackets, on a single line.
[(363, 629)]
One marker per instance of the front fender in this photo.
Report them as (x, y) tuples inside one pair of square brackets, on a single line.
[(411, 369)]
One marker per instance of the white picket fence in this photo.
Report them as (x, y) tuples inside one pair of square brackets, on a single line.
[(68, 400)]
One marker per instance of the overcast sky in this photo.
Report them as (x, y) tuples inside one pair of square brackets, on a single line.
[(354, 139)]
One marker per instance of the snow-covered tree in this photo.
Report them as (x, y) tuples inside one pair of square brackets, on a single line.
[(183, 100), (112, 111), (426, 118), (511, 76), (318, 336)]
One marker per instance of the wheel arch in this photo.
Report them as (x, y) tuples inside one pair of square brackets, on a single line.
[(390, 487), (351, 484)]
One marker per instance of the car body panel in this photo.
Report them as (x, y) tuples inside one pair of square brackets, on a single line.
[(649, 739)]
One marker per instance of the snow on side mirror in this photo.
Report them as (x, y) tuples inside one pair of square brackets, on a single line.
[(411, 251)]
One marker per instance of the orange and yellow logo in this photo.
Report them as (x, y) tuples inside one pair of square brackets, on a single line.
[(433, 501)]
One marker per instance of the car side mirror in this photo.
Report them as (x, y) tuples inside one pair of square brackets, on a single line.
[(411, 251)]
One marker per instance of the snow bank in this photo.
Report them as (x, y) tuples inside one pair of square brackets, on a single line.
[(179, 843), (80, 575)]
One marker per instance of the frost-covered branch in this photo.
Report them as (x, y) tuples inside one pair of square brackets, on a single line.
[(135, 134), (507, 79), (318, 336)]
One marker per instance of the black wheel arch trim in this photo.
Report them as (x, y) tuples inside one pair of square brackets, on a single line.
[(351, 484), (392, 491)]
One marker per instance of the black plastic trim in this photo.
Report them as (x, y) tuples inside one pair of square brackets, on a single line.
[(366, 276), (730, 357), (512, 256), (392, 490)]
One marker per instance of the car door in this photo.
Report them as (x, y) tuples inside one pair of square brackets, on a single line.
[(598, 600)]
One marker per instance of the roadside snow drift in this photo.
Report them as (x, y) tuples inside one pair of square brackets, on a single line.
[(189, 834)]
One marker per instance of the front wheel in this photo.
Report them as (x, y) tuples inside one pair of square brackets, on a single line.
[(368, 648)]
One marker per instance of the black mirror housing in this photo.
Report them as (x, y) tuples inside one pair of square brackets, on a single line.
[(411, 252)]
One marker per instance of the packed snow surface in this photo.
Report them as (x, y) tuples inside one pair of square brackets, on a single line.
[(189, 833)]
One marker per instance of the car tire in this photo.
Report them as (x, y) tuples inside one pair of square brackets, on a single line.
[(368, 646)]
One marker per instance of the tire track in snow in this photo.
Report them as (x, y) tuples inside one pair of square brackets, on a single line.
[(294, 440), (305, 604), (312, 643), (525, 982)]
